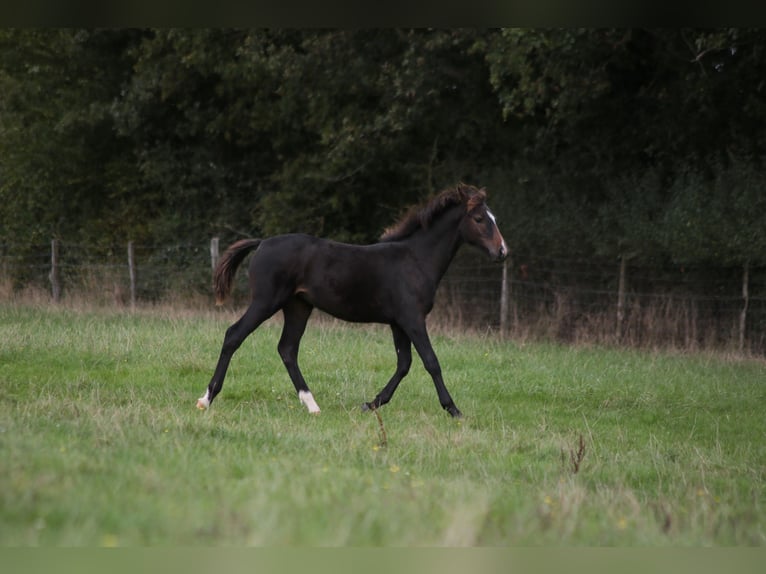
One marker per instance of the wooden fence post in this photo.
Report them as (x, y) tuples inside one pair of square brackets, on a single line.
[(746, 299), (621, 298), (132, 274), (505, 296), (55, 276), (214, 254)]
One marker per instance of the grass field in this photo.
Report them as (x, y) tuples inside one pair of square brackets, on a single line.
[(100, 443)]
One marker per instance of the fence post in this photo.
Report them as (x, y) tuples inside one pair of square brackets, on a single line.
[(54, 276), (746, 299), (214, 254), (505, 295), (621, 298), (132, 274)]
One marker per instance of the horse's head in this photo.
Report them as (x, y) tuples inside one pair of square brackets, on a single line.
[(479, 226)]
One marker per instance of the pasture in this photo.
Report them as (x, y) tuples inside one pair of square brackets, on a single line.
[(101, 443)]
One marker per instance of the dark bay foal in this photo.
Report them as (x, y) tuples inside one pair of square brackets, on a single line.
[(392, 282)]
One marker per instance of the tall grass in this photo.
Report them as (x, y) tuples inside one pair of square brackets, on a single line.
[(100, 443), (653, 321)]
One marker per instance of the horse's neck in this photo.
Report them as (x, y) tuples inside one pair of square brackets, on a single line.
[(436, 246)]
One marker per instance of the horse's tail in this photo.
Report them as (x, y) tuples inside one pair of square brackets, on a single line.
[(227, 267)]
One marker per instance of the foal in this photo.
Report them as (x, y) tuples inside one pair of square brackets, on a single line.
[(393, 282)]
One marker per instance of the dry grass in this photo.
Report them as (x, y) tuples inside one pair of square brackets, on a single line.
[(651, 322)]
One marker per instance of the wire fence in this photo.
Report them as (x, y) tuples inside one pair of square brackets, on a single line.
[(580, 301), (583, 301)]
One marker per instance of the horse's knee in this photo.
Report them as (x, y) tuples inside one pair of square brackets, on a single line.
[(403, 360), (431, 364), (286, 352), (231, 340), (234, 337)]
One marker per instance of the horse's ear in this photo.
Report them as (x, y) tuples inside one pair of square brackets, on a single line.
[(465, 191), (471, 195)]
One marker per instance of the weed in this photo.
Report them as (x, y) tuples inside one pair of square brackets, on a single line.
[(575, 457)]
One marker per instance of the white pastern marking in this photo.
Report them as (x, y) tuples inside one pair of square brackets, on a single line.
[(308, 399), (204, 402)]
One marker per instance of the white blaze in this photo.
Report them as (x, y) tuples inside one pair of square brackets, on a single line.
[(492, 217), (308, 399)]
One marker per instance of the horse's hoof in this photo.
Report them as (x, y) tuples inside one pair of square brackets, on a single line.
[(455, 412), (201, 405)]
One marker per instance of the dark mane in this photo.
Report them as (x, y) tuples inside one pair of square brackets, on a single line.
[(421, 216)]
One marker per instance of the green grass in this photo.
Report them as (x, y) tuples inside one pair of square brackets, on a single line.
[(100, 443)]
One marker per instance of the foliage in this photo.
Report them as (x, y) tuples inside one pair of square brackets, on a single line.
[(722, 220), (620, 113), (591, 141), (62, 167), (323, 132)]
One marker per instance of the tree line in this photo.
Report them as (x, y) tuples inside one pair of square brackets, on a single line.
[(612, 143)]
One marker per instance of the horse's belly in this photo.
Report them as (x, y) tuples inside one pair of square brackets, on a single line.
[(354, 307)]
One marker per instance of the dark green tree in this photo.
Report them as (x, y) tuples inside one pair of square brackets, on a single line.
[(719, 220), (613, 114), (64, 173), (583, 137), (327, 132)]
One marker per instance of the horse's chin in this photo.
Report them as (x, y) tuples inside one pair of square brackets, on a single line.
[(497, 256)]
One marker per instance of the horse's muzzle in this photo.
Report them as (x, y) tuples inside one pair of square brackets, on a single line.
[(501, 253)]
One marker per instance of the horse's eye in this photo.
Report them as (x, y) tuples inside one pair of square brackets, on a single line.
[(478, 218)]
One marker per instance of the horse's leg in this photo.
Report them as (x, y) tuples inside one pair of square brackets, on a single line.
[(296, 313), (403, 361), (256, 314), (419, 337)]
